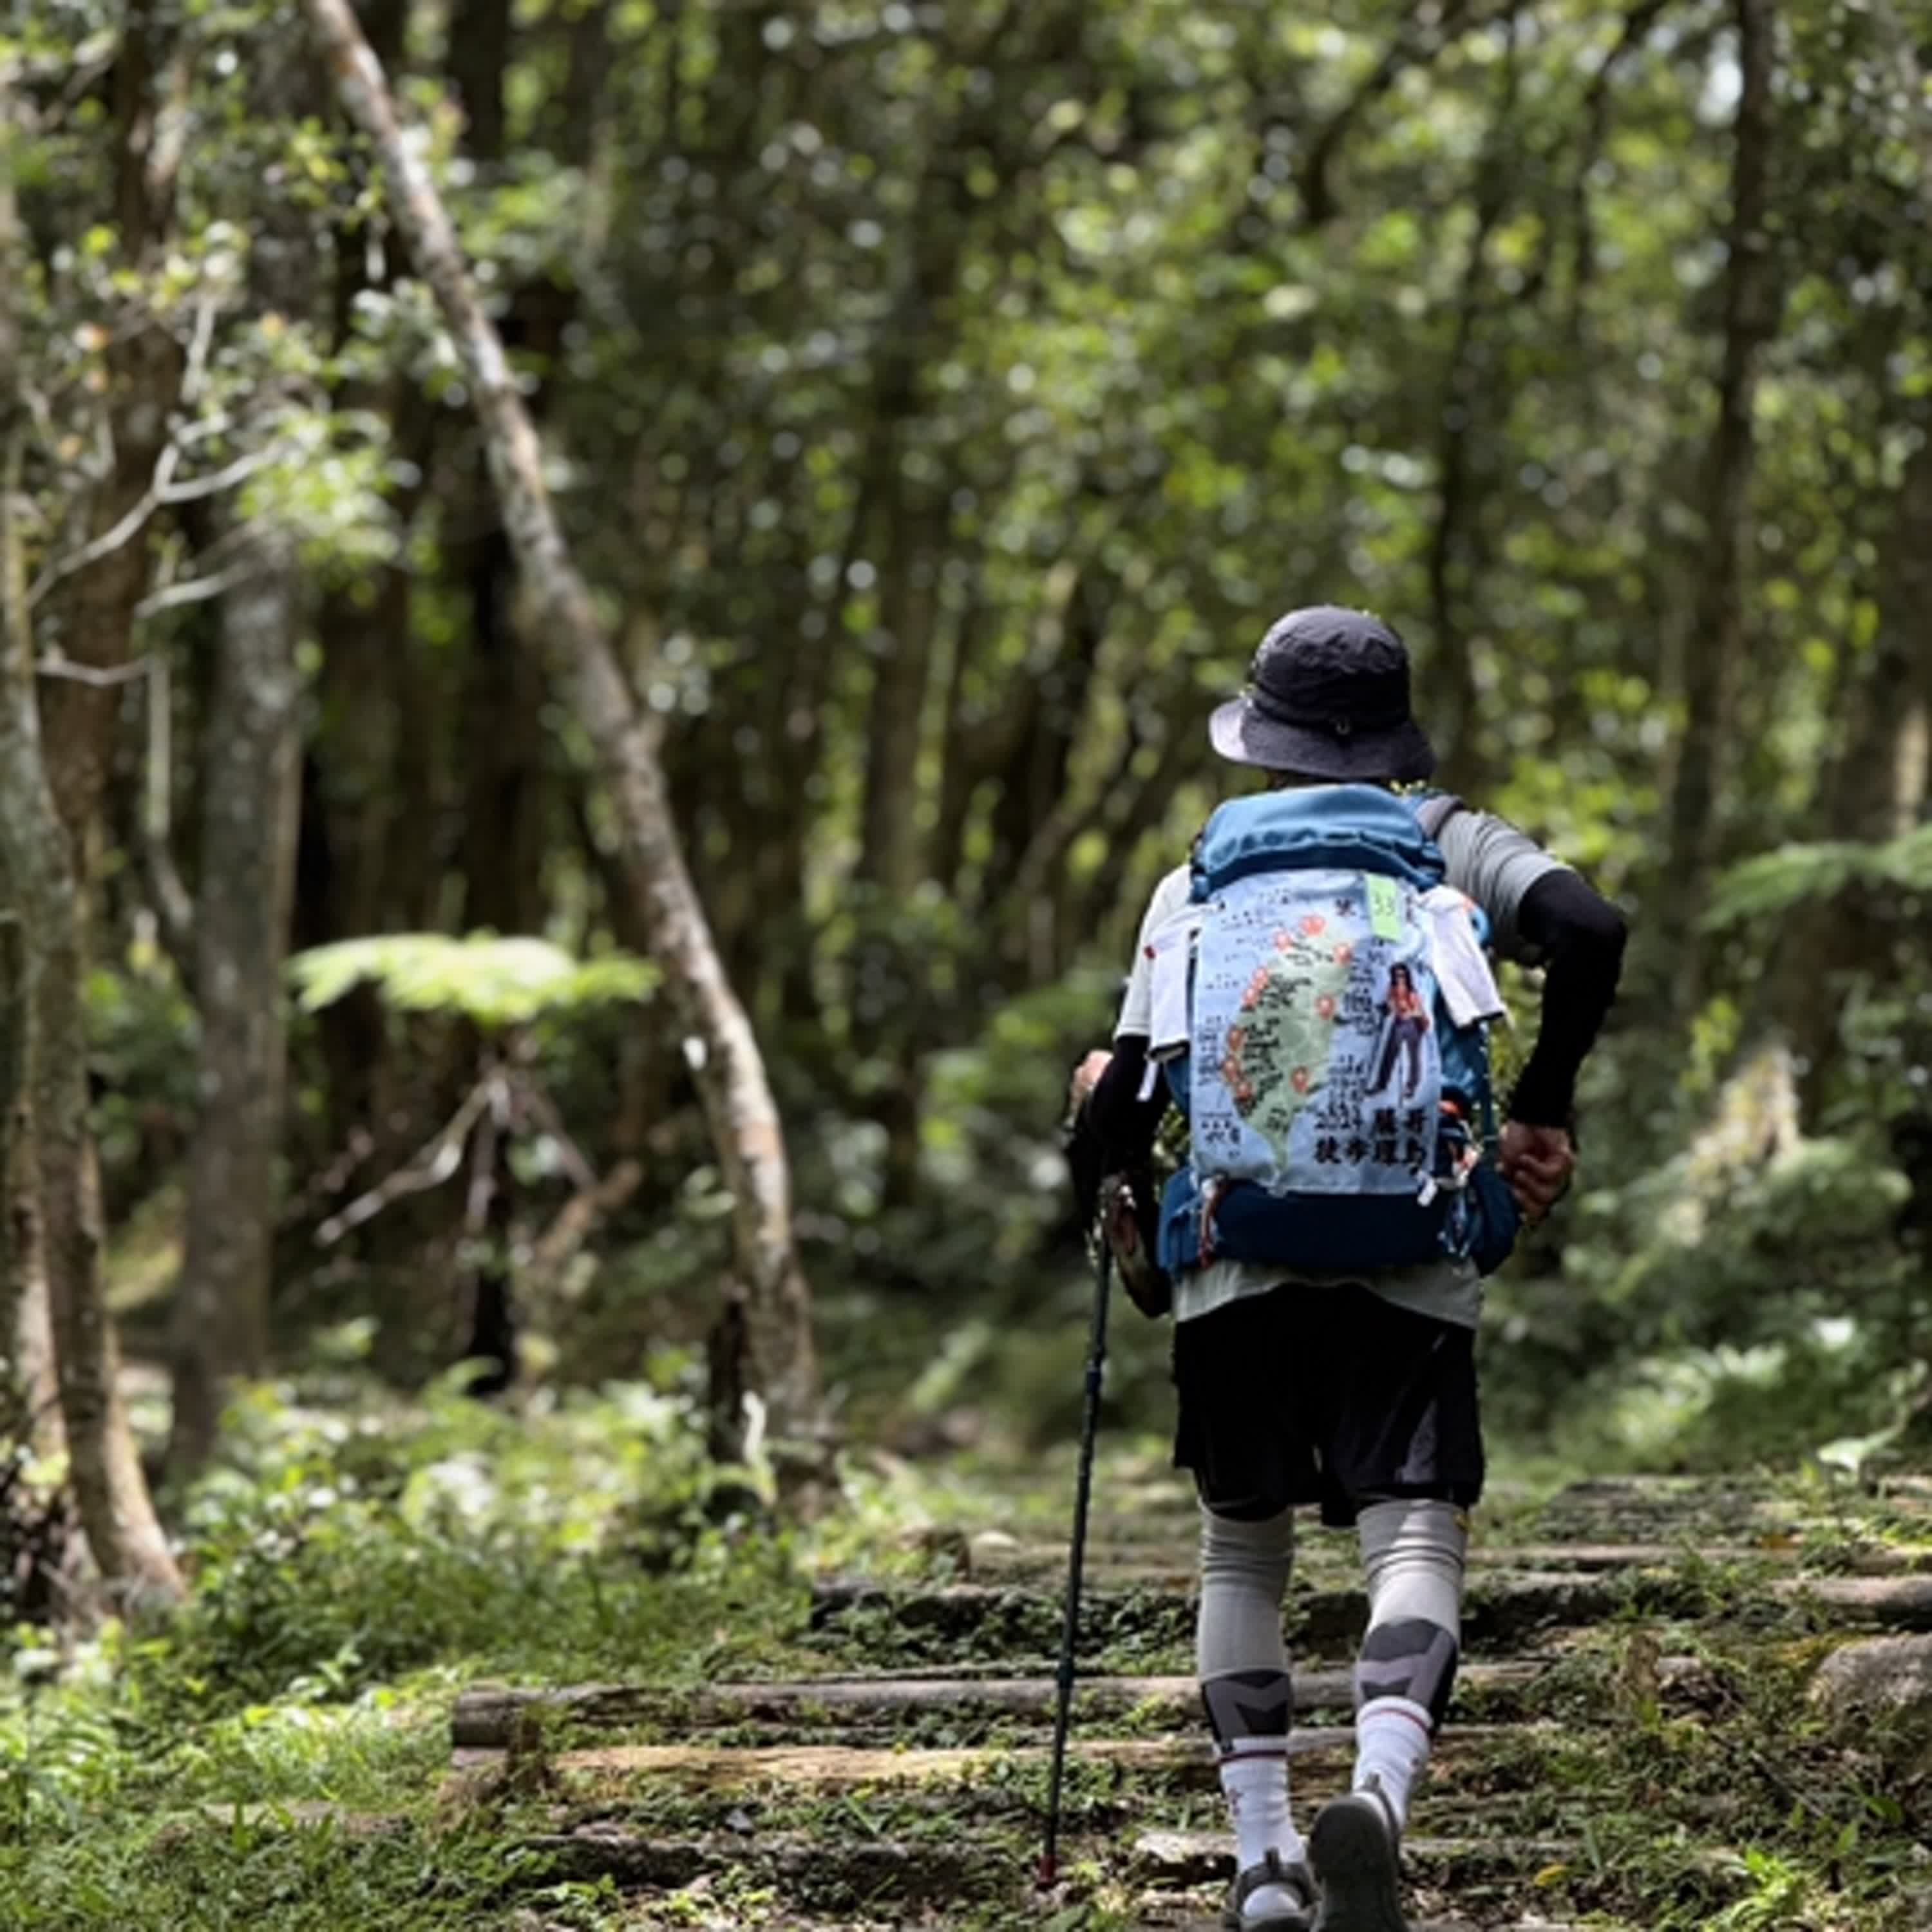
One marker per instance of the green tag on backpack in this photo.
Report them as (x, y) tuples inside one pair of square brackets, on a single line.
[(1385, 906)]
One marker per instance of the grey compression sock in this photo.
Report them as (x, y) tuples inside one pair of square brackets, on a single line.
[(1412, 1552)]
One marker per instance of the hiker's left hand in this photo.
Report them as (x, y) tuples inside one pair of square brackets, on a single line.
[(1086, 1078), (1537, 1163)]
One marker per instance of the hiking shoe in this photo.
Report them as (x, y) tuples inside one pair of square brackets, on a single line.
[(1353, 1849), (1294, 1879)]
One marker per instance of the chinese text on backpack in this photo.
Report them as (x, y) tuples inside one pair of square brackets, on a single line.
[(1322, 1008)]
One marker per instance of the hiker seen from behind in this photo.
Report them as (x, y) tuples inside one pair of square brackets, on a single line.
[(1312, 990)]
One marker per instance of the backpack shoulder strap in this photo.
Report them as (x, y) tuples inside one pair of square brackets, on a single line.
[(1434, 810), (1197, 879)]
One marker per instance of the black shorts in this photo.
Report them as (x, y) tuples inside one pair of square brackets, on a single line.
[(1325, 1395)]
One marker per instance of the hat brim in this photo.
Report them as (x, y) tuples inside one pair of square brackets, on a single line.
[(1241, 733)]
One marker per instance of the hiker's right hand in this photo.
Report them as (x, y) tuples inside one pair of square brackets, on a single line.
[(1086, 1078)]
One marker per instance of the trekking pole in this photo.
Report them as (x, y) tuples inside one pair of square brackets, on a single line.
[(1090, 1428)]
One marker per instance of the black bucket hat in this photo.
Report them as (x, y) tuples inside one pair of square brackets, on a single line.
[(1327, 698)]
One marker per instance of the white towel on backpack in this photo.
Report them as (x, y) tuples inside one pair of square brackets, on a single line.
[(1462, 967), (1171, 952)]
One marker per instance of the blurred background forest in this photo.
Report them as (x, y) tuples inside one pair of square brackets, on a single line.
[(939, 397)]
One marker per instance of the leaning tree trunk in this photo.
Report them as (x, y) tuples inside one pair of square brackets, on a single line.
[(37, 860), (1714, 650), (720, 1046), (251, 757)]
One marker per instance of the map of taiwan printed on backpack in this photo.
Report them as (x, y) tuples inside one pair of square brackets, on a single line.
[(1333, 1060)]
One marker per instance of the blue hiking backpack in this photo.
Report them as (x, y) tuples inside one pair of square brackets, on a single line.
[(1322, 1026)]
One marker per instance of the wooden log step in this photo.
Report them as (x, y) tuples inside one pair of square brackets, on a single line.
[(1871, 1603), (1501, 1609), (838, 1767), (1718, 1509), (1504, 1609), (817, 1875), (1127, 1564), (486, 1717)]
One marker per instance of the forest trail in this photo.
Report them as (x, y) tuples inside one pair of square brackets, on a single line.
[(1638, 1654)]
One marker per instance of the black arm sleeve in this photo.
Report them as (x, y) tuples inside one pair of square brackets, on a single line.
[(1114, 1133), (1580, 936)]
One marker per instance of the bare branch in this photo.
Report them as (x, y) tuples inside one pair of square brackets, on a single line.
[(102, 678), (164, 490), (190, 590), (199, 344), (203, 428), (110, 540), (174, 906), (483, 1156), (438, 1160), (239, 471), (579, 1170), (576, 1221)]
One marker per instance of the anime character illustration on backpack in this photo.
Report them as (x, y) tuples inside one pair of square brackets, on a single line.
[(1312, 991), (1407, 1025)]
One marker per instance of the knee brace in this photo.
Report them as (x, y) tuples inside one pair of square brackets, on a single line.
[(1249, 1705), (1413, 1552), (1414, 1661)]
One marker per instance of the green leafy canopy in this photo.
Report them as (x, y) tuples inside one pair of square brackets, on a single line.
[(492, 982)]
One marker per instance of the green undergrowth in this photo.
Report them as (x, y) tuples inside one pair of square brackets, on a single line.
[(356, 1562), (1714, 1800), (276, 1756)]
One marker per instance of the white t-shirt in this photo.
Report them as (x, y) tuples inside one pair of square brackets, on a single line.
[(1489, 860)]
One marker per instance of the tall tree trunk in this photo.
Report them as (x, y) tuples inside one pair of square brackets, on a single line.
[(36, 858), (479, 55), (251, 793), (502, 850), (501, 854), (250, 769), (889, 847), (1713, 649), (29, 1376), (144, 370), (1874, 789), (116, 1509), (726, 1063), (16, 1380)]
